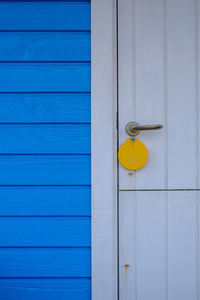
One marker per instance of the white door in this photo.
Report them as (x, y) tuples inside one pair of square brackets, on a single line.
[(159, 223)]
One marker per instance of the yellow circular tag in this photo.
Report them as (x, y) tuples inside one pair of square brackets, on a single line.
[(133, 154)]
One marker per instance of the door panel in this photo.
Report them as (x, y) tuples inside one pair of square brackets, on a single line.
[(159, 204), (159, 240), (158, 84)]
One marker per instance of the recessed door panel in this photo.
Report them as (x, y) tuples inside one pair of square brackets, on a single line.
[(158, 70)]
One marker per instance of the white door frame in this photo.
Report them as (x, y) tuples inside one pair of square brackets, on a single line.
[(104, 150)]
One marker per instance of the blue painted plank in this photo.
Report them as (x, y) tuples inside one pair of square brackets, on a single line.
[(45, 232), (45, 201), (42, 108), (46, 1), (45, 139), (45, 289), (44, 16), (32, 46), (45, 262), (45, 170), (50, 77)]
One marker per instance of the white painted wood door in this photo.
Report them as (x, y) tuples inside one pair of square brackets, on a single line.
[(159, 204)]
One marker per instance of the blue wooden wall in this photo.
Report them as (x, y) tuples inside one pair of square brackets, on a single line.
[(45, 150)]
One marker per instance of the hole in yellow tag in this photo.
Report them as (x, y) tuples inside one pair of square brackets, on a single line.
[(133, 154)]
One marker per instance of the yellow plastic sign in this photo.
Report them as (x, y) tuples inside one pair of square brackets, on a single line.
[(133, 154)]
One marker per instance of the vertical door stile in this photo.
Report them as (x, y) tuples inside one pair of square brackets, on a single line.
[(127, 77), (198, 141)]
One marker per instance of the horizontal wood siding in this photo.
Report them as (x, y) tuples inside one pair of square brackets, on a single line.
[(73, 16), (45, 194), (45, 232), (45, 77), (45, 46), (44, 108), (67, 139), (45, 170), (45, 262), (46, 288), (40, 200)]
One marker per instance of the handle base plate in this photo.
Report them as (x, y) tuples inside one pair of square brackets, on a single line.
[(130, 129)]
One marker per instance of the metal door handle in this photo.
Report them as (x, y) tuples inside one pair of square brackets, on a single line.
[(133, 128)]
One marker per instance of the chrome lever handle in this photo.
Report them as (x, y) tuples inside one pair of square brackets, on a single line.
[(133, 128)]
